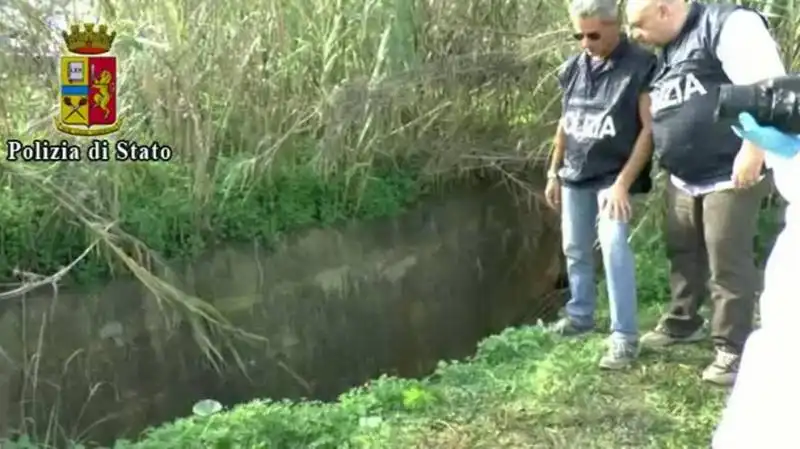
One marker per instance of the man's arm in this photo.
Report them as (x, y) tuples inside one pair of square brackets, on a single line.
[(746, 49), (557, 154), (748, 54), (565, 72), (642, 149)]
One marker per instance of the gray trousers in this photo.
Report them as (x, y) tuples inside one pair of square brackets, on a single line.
[(709, 241)]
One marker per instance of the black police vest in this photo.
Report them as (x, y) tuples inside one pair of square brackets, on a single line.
[(600, 115), (688, 142)]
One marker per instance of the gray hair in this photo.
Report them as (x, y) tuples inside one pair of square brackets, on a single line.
[(599, 9)]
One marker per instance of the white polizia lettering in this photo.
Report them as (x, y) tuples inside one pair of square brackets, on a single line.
[(585, 126), (675, 92)]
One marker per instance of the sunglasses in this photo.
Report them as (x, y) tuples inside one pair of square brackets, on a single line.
[(593, 36)]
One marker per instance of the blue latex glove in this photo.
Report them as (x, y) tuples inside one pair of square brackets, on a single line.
[(767, 137)]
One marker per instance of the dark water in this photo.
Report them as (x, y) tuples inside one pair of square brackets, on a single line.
[(337, 307)]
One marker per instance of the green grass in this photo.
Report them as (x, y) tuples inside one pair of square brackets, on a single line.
[(563, 400)]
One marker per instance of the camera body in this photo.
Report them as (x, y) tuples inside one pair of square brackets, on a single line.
[(774, 102)]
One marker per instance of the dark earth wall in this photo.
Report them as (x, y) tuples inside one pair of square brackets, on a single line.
[(338, 307)]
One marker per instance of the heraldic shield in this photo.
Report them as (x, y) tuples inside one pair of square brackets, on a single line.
[(88, 98)]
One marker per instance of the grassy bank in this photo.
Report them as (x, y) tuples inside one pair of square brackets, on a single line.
[(43, 227), (523, 389)]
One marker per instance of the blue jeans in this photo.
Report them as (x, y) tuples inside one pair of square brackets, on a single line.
[(581, 224)]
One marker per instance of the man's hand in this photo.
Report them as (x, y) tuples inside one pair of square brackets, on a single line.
[(747, 166), (616, 203), (552, 193)]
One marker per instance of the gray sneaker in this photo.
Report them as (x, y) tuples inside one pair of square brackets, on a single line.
[(620, 355), (566, 328), (723, 370), (660, 338)]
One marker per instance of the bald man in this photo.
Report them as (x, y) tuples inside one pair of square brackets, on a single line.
[(716, 180)]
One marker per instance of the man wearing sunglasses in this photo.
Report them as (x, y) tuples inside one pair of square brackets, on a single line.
[(601, 156), (716, 184)]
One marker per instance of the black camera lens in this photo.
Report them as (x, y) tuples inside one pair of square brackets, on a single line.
[(774, 102), (734, 100)]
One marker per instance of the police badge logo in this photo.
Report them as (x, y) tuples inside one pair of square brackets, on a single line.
[(88, 98)]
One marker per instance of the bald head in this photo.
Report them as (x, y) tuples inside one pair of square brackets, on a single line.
[(656, 22)]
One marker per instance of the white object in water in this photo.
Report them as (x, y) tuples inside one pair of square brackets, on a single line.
[(206, 407)]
